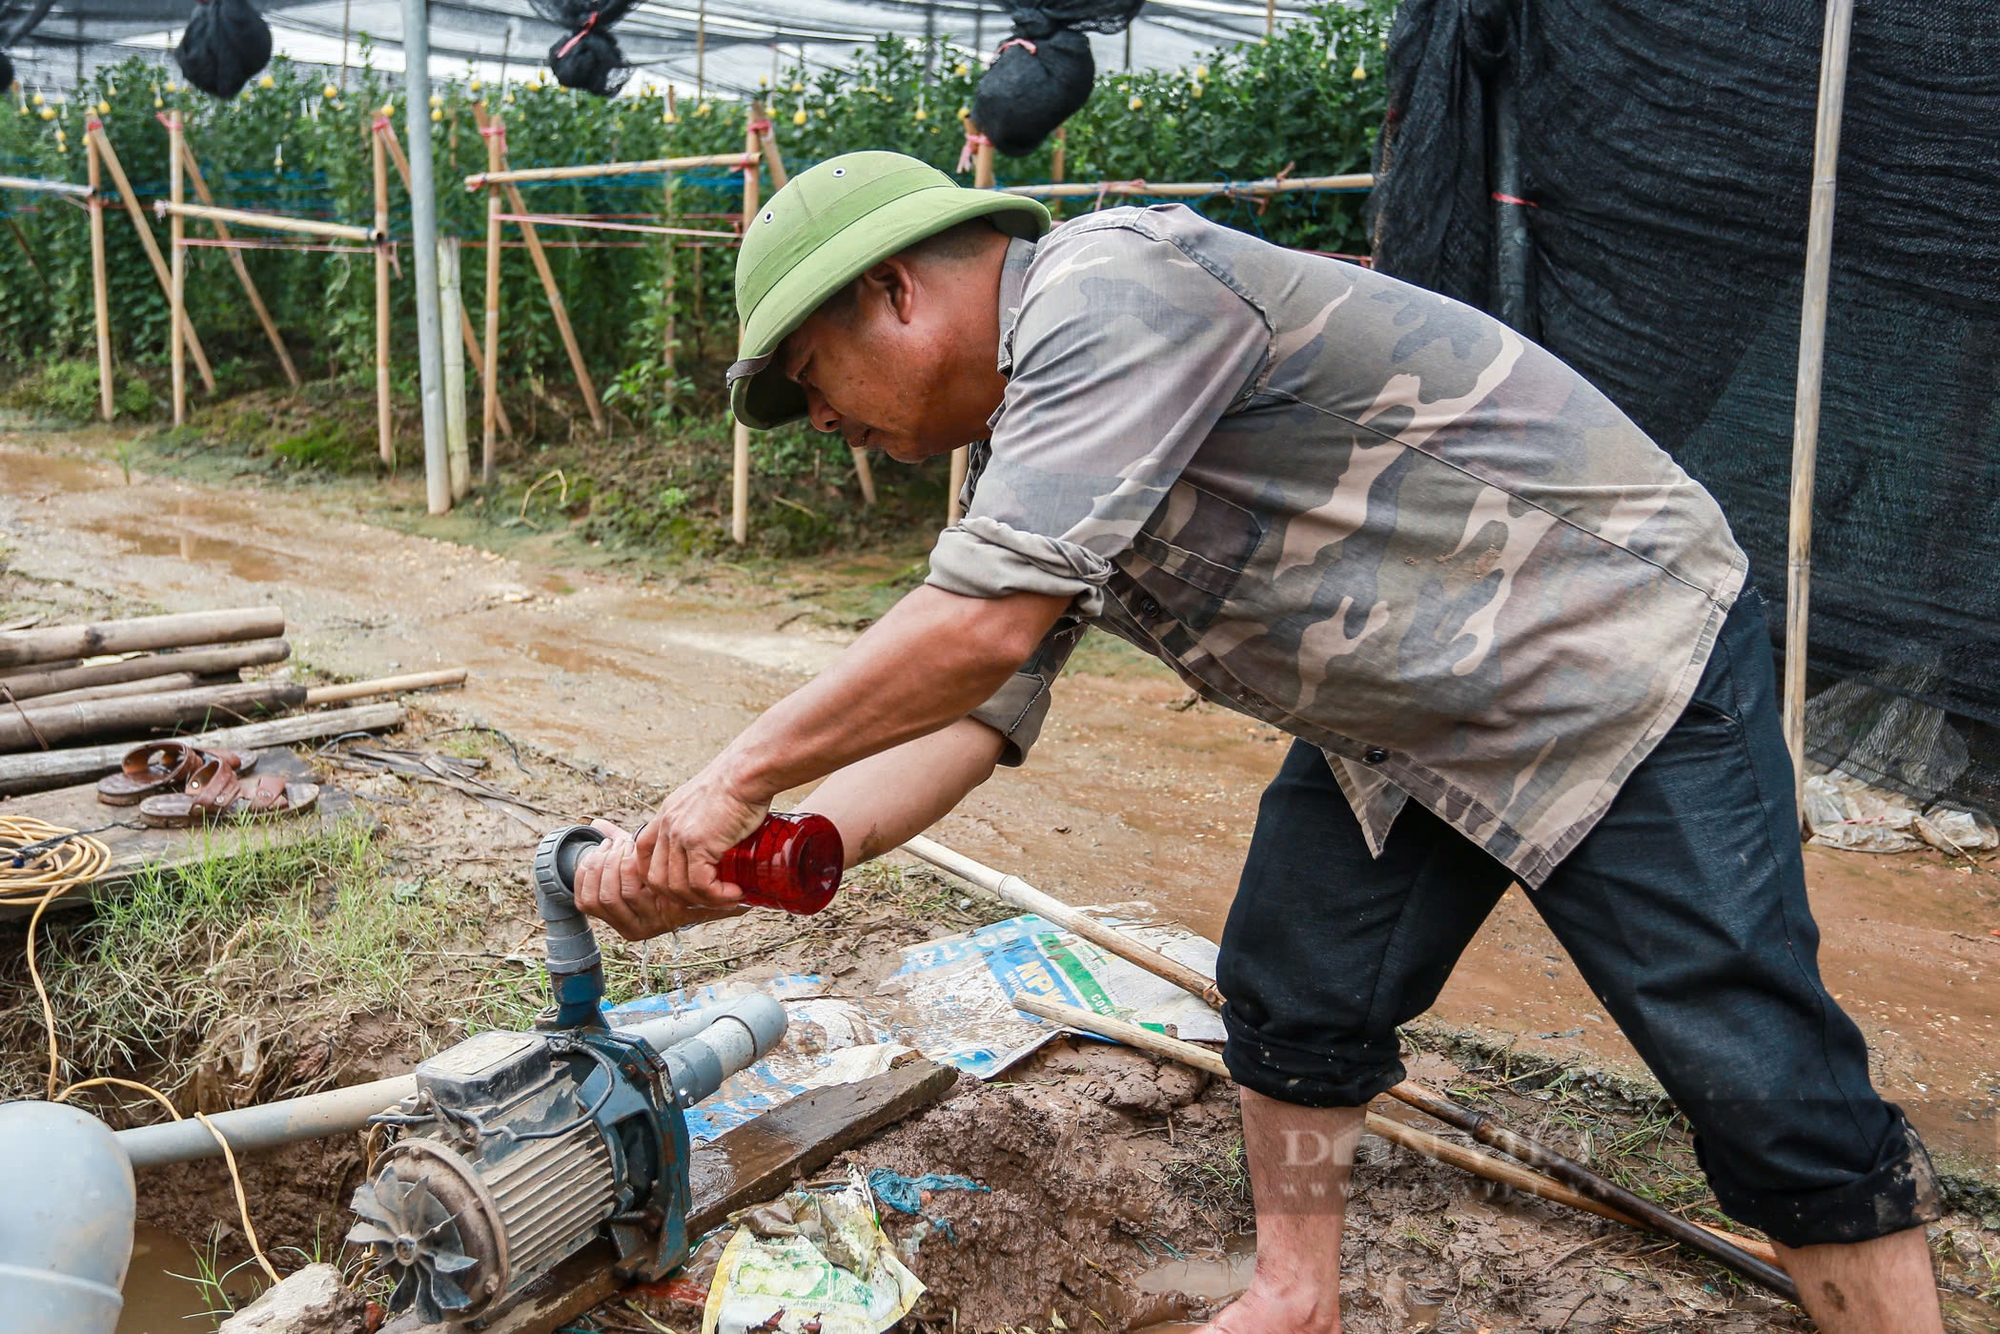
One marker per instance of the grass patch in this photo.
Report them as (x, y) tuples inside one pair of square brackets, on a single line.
[(68, 390)]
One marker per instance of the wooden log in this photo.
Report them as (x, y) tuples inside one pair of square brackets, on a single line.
[(1497, 1170), (152, 685), (387, 685), (539, 258), (197, 661), (756, 1161), (1018, 893), (739, 436), (49, 727), (177, 269), (242, 270), (590, 171), (270, 222), (94, 129), (23, 648), (100, 285), (37, 771), (384, 426)]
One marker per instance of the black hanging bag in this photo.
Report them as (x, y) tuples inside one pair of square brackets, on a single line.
[(587, 56), (1042, 75), (226, 43)]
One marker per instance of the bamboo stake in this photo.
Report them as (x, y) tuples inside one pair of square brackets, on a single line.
[(243, 277), (540, 259), (100, 284), (1018, 893), (739, 491), (766, 143), (1496, 1170), (670, 332), (384, 425), (646, 167), (489, 381), (1812, 362), (274, 222), (701, 50), (36, 185), (451, 302), (45, 727), (94, 129), (466, 332), (176, 298), (204, 661), (152, 685), (28, 648), (1057, 162), (386, 685)]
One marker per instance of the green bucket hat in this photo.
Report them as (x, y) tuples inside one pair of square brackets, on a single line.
[(827, 227)]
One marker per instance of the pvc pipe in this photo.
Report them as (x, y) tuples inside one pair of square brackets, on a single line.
[(66, 1231), (742, 1032), (343, 1111), (423, 220)]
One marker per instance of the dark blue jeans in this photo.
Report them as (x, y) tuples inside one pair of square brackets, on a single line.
[(1684, 909)]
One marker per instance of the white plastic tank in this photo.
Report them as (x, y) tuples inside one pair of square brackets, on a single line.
[(67, 1206)]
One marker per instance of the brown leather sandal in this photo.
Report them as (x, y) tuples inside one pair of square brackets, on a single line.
[(162, 766), (215, 793)]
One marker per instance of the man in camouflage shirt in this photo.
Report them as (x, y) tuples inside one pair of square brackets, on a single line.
[(1508, 632)]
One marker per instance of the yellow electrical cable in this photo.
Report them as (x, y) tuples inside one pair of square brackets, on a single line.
[(48, 875)]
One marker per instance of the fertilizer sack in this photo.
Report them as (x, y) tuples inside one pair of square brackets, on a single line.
[(226, 43)]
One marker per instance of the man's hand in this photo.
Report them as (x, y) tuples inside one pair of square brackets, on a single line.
[(611, 886), (698, 822)]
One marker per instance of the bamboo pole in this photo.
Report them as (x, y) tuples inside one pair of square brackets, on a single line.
[(739, 472), (489, 380), (39, 770), (590, 171), (49, 726), (466, 332), (242, 269), (152, 685), (94, 129), (274, 222), (100, 284), (532, 239), (766, 143), (1057, 161), (1269, 185), (1812, 363), (177, 297), (701, 50), (451, 308), (36, 185), (670, 327), (192, 661), (27, 648), (1018, 893), (386, 685), (384, 422), (1497, 1170)]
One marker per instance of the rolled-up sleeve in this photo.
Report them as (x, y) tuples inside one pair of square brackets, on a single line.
[(1124, 355), (1017, 709)]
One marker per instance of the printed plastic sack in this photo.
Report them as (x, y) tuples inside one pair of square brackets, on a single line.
[(226, 43)]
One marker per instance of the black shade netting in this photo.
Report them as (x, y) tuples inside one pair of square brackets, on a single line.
[(6, 71), (587, 56), (1666, 149), (225, 44), (1042, 75), (12, 31)]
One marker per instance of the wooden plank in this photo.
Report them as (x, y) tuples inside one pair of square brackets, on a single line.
[(39, 770), (754, 1162), (133, 850), (200, 661), (25, 648)]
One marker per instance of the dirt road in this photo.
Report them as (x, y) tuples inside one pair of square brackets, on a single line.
[(1132, 793)]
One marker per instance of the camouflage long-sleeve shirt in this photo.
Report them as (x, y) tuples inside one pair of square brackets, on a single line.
[(1372, 516)]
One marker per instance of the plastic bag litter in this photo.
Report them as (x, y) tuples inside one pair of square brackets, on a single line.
[(1844, 813), (812, 1260), (588, 56), (1949, 829), (226, 43)]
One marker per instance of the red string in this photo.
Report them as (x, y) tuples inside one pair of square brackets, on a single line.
[(578, 35), (760, 128), (1021, 42), (1513, 199), (973, 141)]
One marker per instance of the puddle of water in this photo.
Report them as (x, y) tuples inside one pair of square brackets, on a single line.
[(157, 1300), (1217, 1279), (29, 474), (251, 564), (567, 659)]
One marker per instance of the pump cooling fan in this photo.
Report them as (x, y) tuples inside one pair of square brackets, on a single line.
[(416, 1239)]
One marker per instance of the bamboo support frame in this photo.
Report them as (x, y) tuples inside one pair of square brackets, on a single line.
[(767, 144), (36, 185), (94, 130), (517, 176), (540, 259), (451, 302), (489, 383), (100, 285), (177, 295), (243, 277), (739, 471), (1812, 363), (1269, 185), (384, 419), (175, 211), (387, 137)]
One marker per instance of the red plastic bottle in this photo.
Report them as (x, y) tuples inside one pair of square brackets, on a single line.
[(792, 862)]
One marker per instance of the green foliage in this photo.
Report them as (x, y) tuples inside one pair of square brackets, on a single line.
[(68, 390), (329, 444)]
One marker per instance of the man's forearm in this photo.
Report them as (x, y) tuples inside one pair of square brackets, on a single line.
[(883, 801), (934, 658)]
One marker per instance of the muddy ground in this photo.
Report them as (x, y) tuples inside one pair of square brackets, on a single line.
[(614, 683)]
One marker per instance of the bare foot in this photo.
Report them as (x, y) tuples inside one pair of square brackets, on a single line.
[(1261, 1310)]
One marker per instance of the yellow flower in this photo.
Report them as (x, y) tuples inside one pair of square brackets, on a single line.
[(173, 87), (965, 113), (157, 102), (103, 108), (920, 113), (799, 116), (267, 82), (1136, 103), (798, 87), (388, 108), (1200, 73), (1195, 90), (702, 110), (507, 99), (48, 113), (1360, 71), (668, 118), (37, 99), (329, 92), (472, 87), (763, 81), (436, 101), (436, 115), (962, 70)]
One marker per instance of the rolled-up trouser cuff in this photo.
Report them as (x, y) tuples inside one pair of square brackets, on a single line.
[(1345, 1074), (1900, 1192)]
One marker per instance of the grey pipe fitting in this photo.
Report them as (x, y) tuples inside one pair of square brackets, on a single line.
[(66, 1231), (742, 1032)]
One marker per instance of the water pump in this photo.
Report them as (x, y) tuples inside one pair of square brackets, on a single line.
[(519, 1149)]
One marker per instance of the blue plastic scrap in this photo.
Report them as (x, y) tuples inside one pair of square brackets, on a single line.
[(906, 1194)]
